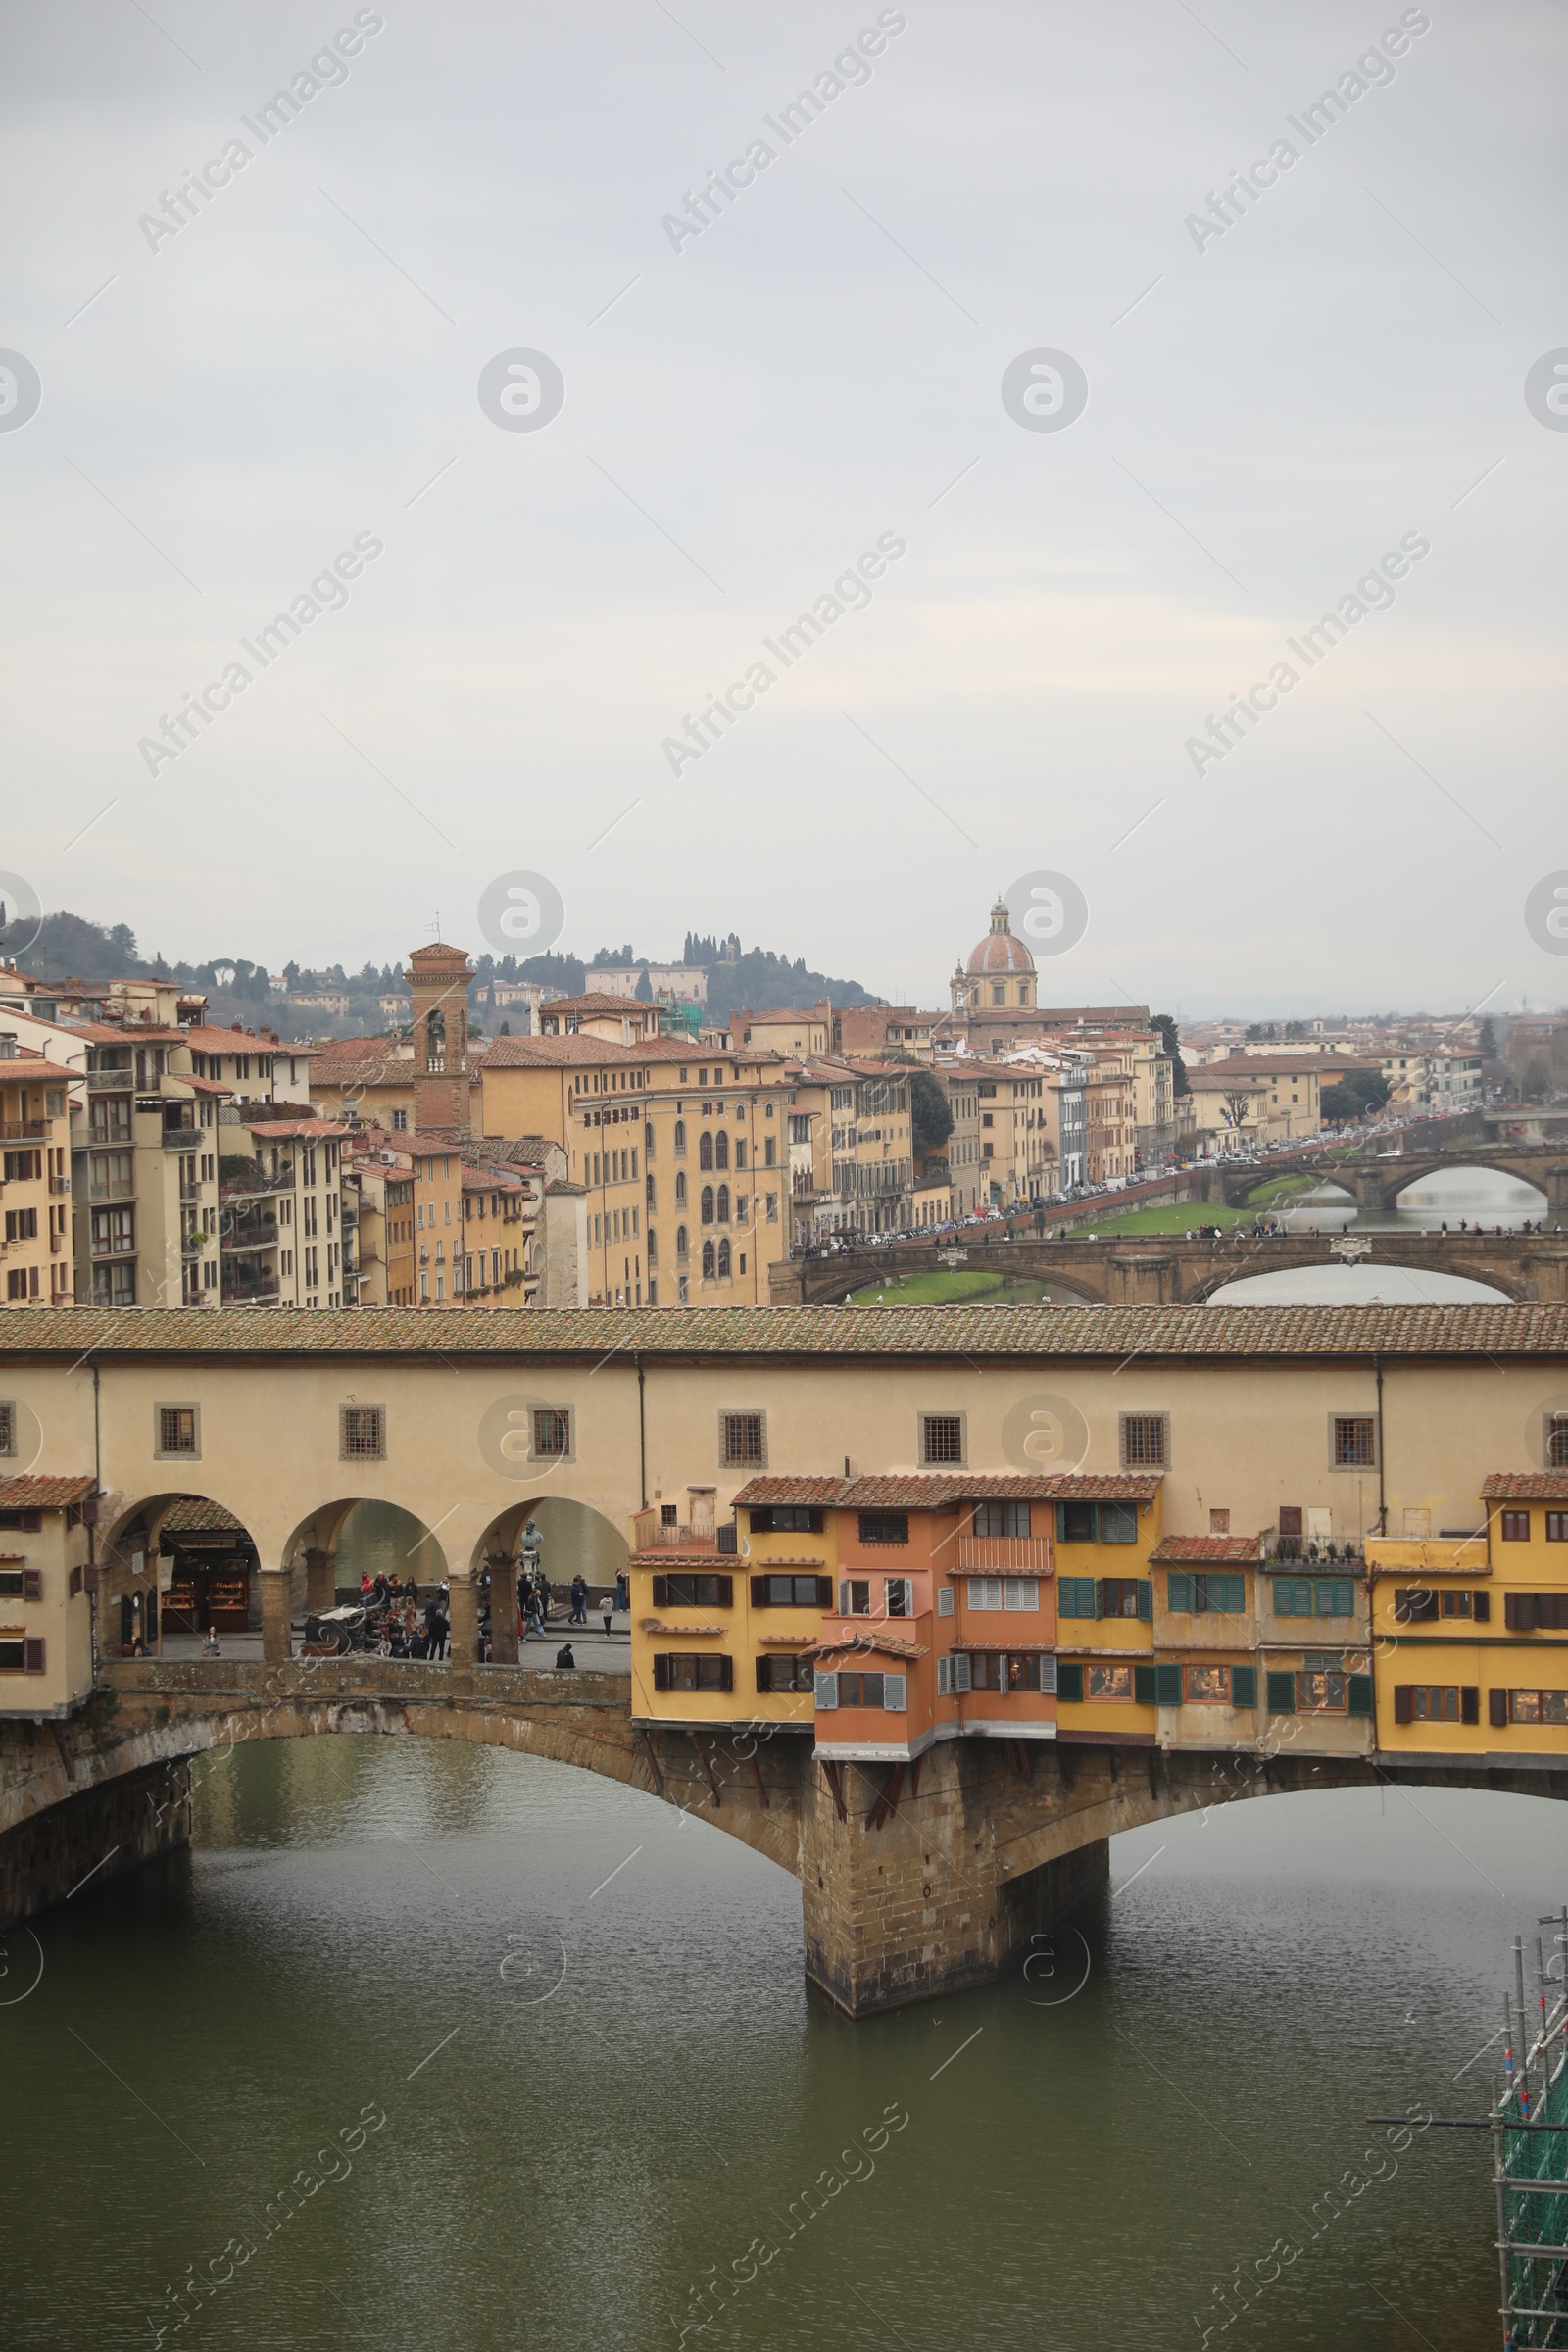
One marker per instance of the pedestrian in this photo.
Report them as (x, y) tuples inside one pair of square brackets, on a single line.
[(564, 1657), (210, 1647), (437, 1627), (579, 1601), (607, 1607)]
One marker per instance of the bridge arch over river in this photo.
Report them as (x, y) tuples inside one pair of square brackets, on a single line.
[(909, 1887)]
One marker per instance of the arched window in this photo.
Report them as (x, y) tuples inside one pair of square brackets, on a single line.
[(708, 1262), (723, 1261), (680, 1135), (681, 1249), (680, 1187), (649, 1194), (739, 1151), (648, 1137), (721, 1150), (707, 1204), (704, 1150), (653, 1251), (1023, 992), (723, 1204)]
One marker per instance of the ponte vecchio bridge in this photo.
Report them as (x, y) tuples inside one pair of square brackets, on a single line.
[(293, 1419)]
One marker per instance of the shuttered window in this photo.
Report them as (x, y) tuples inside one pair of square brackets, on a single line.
[(784, 1674), (1244, 1685), (883, 1527), (1075, 1596), (1069, 1681), (1413, 1606), (1532, 1612), (695, 1591), (1118, 1523), (792, 1591), (1208, 1590), (1281, 1694)]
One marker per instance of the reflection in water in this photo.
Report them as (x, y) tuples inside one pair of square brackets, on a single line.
[(1081, 2175), (1449, 1197), (1355, 1286)]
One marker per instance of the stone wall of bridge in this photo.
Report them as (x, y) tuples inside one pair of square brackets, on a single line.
[(915, 1880)]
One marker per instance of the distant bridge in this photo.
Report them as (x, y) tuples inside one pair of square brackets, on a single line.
[(1159, 1270), (911, 1884), (1375, 1179)]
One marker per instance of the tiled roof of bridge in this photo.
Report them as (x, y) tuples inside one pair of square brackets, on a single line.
[(32, 1491), (1214, 1551), (969, 1332)]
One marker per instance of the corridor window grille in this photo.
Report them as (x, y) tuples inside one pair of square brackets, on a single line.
[(883, 1527), (176, 1428), (1557, 1442), (552, 1433), (363, 1433), (8, 1431), (742, 1440), (942, 1438), (1355, 1442), (1144, 1441)]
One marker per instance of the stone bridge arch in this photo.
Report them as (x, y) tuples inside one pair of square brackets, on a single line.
[(308, 1557), (913, 1881), (575, 1537), (136, 1536)]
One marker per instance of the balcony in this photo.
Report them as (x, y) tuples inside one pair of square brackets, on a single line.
[(651, 1533), (180, 1139), (259, 1186), (250, 1294), (1005, 1555), (111, 1082), (245, 1238), (1428, 1555), (24, 1131)]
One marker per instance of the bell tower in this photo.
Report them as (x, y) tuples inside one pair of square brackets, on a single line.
[(438, 984)]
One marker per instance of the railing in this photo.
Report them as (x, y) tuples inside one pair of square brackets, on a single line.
[(180, 1139), (126, 1189), (653, 1535), (243, 1241), (112, 1082), (259, 1186), (24, 1131), (1007, 1555), (252, 1294)]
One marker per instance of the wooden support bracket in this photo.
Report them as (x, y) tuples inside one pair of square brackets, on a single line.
[(830, 1773), (702, 1758)]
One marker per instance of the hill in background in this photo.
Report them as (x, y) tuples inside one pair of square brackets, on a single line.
[(70, 947)]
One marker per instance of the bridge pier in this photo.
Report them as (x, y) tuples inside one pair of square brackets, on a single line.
[(99, 1834), (463, 1615), (278, 1614), (320, 1580), (908, 1890)]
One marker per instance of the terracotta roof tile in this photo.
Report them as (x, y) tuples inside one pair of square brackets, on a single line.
[(32, 1491), (1525, 1486), (1218, 1551), (1042, 1336)]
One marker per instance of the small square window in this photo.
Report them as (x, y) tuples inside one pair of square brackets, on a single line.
[(552, 1434), (1355, 1442), (742, 1440), (1144, 1441), (1515, 1527), (1557, 1441), (177, 1430), (942, 1437), (363, 1433)]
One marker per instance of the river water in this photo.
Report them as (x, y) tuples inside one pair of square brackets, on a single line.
[(605, 2084)]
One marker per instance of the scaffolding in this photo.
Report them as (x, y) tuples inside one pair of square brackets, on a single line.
[(1529, 2123)]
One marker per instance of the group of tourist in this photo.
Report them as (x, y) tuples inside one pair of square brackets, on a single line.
[(396, 1627)]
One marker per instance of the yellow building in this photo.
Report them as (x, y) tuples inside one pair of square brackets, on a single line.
[(35, 1163), (1107, 1524), (46, 1588), (854, 1126), (1471, 1634), (724, 1619)]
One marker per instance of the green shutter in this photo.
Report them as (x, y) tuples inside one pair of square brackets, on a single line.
[(1069, 1681), (1293, 1596), (1183, 1595), (1145, 1597), (1281, 1694), (1168, 1686), (1244, 1685), (1360, 1695), (1146, 1686), (1076, 1596), (1335, 1596), (1062, 1523), (1099, 1596), (1228, 1593)]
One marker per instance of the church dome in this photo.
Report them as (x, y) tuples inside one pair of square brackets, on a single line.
[(999, 952)]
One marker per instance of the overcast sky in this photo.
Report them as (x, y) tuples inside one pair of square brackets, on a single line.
[(749, 410)]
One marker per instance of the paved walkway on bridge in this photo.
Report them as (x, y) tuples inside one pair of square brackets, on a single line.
[(591, 1649)]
